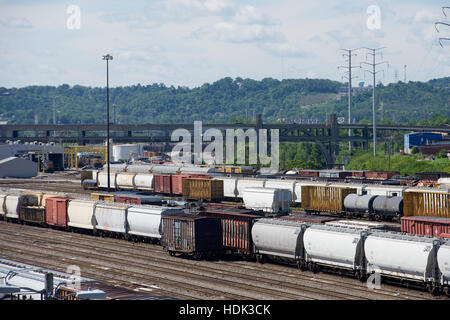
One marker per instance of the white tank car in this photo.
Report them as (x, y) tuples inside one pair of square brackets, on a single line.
[(146, 220), (103, 179), (166, 169), (125, 180), (399, 255), (277, 237), (140, 168), (80, 214), (332, 246), (229, 186), (143, 181), (243, 184), (383, 190), (111, 217), (443, 258), (282, 184)]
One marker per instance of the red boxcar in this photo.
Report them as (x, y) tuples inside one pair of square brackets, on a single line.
[(425, 226), (163, 183), (56, 211), (128, 199), (310, 173), (382, 175), (177, 183), (236, 229)]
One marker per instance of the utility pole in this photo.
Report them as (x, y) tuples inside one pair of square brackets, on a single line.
[(374, 53), (107, 58), (349, 68)]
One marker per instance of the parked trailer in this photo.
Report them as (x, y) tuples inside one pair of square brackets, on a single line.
[(144, 181), (145, 221), (203, 189), (191, 235), (428, 203), (56, 211), (125, 180), (111, 217), (268, 200), (80, 214), (236, 229), (325, 198), (425, 226), (278, 239), (402, 256)]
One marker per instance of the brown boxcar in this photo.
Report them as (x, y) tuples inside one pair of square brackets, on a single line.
[(382, 175), (309, 218), (425, 226), (203, 189), (325, 198), (102, 197), (177, 183), (236, 229), (192, 235), (33, 214), (162, 183), (56, 211), (426, 203), (309, 173)]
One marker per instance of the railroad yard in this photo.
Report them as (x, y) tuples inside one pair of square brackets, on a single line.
[(147, 268)]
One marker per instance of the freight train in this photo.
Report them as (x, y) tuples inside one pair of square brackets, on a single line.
[(216, 231), (377, 202)]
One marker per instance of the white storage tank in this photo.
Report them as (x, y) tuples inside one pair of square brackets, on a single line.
[(103, 179), (277, 237), (282, 184), (124, 152), (443, 258), (80, 214), (111, 217), (229, 186), (243, 184), (399, 255), (268, 200), (125, 180), (332, 246), (143, 181), (146, 220)]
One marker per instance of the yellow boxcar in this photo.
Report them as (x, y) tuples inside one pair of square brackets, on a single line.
[(325, 198), (203, 189), (102, 197), (426, 203)]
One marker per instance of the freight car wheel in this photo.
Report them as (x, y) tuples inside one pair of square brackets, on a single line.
[(301, 265), (260, 258), (172, 254), (433, 289)]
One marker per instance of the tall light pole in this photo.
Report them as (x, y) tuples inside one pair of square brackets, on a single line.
[(374, 53), (107, 58)]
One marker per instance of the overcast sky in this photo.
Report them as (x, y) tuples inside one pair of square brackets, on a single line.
[(190, 42)]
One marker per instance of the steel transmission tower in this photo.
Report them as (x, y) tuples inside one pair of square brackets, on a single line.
[(444, 24), (374, 64), (349, 68)]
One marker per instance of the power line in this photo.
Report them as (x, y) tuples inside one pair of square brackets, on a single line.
[(374, 64)]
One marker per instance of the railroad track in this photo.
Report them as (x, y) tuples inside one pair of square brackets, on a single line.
[(238, 277)]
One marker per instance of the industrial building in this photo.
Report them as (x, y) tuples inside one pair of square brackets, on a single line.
[(421, 139), (14, 167)]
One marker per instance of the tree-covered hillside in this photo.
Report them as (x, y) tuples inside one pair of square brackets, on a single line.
[(222, 101)]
